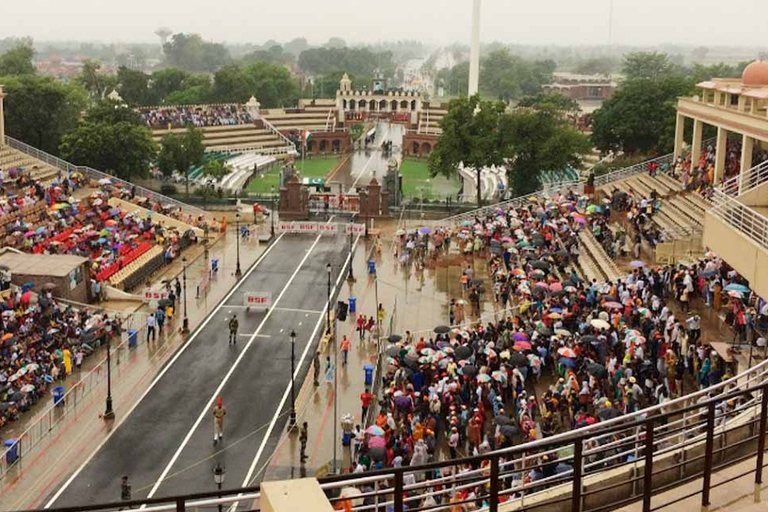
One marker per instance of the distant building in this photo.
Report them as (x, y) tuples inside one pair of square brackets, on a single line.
[(581, 87)]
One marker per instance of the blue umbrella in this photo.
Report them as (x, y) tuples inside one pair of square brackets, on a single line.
[(425, 231), (735, 287), (101, 241), (41, 230), (567, 361)]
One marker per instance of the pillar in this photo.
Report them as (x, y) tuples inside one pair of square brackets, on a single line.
[(698, 127), (474, 58), (679, 131), (720, 152), (2, 117), (745, 173)]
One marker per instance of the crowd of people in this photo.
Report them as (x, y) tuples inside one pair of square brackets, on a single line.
[(565, 353), (700, 175), (196, 115), (43, 341)]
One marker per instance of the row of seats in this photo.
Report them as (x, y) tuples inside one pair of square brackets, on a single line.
[(313, 120), (30, 213), (606, 265), (243, 167), (138, 265), (246, 135), (126, 260), (13, 159)]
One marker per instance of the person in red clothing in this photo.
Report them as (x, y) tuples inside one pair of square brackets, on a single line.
[(366, 398), (345, 346)]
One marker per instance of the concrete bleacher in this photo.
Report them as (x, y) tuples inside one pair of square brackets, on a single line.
[(168, 222), (13, 159), (243, 167), (594, 257), (139, 269), (318, 117), (431, 117), (231, 137)]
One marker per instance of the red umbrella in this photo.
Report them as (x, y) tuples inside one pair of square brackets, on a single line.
[(522, 345), (613, 305), (555, 287)]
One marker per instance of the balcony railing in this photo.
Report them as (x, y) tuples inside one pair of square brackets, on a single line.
[(740, 217)]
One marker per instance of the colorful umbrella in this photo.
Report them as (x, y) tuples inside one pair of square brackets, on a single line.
[(522, 345), (600, 324), (483, 378), (375, 430), (613, 305), (566, 352), (636, 264)]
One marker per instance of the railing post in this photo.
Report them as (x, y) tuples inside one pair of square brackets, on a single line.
[(494, 497), (398, 497), (761, 443), (707, 476), (180, 505), (578, 459), (648, 469)]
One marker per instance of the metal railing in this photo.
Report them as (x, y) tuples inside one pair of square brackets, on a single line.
[(272, 128), (97, 175), (59, 413), (740, 217), (738, 184), (600, 467), (663, 162)]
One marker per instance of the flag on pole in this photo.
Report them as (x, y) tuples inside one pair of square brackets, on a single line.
[(306, 137)]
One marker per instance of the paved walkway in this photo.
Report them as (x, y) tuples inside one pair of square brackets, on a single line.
[(66, 446)]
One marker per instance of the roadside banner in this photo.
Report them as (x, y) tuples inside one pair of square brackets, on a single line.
[(320, 227)]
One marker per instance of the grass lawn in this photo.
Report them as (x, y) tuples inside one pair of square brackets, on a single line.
[(317, 167), (418, 183)]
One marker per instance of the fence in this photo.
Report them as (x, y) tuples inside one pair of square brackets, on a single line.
[(740, 217), (600, 467), (747, 181), (97, 175), (54, 416)]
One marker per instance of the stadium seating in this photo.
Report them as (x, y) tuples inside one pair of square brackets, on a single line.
[(243, 167), (14, 159)]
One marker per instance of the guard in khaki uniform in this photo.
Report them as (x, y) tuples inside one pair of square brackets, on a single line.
[(218, 420)]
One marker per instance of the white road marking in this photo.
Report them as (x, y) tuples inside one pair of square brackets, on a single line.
[(257, 335), (287, 391), (307, 311), (162, 372), (352, 188), (207, 408)]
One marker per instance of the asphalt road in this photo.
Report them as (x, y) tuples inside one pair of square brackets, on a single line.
[(166, 444), (365, 164)]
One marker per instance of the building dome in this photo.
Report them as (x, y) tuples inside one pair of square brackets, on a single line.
[(756, 74)]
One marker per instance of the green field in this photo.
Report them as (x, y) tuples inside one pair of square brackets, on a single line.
[(310, 168), (417, 182)]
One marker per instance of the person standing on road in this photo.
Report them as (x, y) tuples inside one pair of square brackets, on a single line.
[(151, 322), (160, 319), (316, 367), (303, 437), (125, 490), (233, 325), (219, 411), (365, 399), (345, 346), (177, 286)]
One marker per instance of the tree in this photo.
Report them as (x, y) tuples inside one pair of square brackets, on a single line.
[(133, 86), (506, 76), (216, 170), (552, 101), (650, 65), (39, 110), (180, 152), (123, 149), (640, 117), (357, 61), (96, 84), (272, 84), (470, 137), (191, 53), (456, 80), (336, 42), (273, 55), (296, 46), (166, 82), (18, 61), (539, 140), (112, 112), (597, 66)]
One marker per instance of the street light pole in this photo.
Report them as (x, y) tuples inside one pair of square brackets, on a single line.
[(219, 473), (351, 276), (292, 418), (238, 272), (185, 325), (272, 213), (108, 412)]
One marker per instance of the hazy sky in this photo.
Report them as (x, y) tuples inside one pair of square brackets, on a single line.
[(648, 22)]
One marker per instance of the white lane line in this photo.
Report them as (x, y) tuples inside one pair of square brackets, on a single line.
[(162, 372), (207, 408), (307, 311), (362, 172), (257, 335), (272, 423)]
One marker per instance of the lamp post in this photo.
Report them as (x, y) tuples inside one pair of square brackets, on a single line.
[(272, 213), (108, 412), (238, 272), (351, 276), (292, 418), (185, 324), (219, 473)]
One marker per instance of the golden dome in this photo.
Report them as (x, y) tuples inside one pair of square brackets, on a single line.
[(756, 74)]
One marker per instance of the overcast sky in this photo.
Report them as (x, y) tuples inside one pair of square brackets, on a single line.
[(646, 22)]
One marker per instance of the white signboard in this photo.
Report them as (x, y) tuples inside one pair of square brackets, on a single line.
[(150, 295), (320, 227), (257, 300)]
